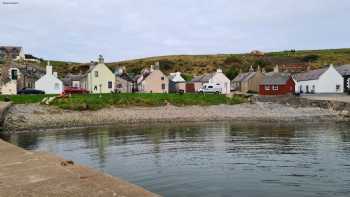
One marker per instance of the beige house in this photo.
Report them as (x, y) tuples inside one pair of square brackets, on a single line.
[(217, 77), (152, 81), (249, 81), (99, 78)]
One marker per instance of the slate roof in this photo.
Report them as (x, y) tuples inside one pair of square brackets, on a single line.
[(310, 75), (276, 79), (126, 77), (67, 80), (344, 70), (203, 78), (12, 51), (244, 76)]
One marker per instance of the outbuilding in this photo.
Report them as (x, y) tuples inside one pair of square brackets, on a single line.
[(276, 84), (49, 83)]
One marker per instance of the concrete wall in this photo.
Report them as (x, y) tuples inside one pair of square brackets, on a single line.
[(49, 84), (9, 88)]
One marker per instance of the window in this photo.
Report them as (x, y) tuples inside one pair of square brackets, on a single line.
[(110, 85), (57, 86), (337, 87), (210, 87), (119, 85), (267, 87), (14, 74), (96, 73), (275, 87), (162, 78), (163, 86)]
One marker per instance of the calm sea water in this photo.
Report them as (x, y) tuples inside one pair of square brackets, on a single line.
[(212, 159)]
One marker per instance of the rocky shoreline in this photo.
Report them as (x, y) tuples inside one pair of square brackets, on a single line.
[(33, 117)]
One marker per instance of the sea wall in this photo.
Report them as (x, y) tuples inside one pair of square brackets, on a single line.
[(35, 117), (39, 174), (343, 108)]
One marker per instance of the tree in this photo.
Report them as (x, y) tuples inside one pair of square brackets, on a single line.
[(231, 73), (233, 60), (187, 77), (311, 58)]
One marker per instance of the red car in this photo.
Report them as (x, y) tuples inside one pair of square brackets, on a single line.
[(75, 90)]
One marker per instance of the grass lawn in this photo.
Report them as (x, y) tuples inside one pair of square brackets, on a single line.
[(96, 101)]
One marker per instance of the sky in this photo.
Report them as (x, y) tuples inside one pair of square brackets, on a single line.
[(79, 30)]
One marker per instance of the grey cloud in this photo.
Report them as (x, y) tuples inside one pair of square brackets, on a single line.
[(78, 30)]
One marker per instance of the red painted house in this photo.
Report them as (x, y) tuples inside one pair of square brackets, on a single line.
[(277, 84)]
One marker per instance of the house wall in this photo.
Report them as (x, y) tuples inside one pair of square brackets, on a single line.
[(327, 83), (153, 83), (9, 88), (222, 79), (99, 84), (122, 85), (255, 81), (197, 86), (287, 88), (49, 84)]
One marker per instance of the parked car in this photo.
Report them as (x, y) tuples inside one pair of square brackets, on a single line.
[(75, 90), (211, 88), (30, 91)]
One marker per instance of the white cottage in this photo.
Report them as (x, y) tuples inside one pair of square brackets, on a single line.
[(49, 83), (215, 77), (326, 80)]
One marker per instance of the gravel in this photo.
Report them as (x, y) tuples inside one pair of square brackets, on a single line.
[(36, 117)]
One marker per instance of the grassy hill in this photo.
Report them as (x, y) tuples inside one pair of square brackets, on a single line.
[(192, 65)]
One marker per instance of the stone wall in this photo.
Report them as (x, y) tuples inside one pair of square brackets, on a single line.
[(342, 107)]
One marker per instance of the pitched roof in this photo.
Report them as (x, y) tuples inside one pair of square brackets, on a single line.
[(12, 51), (344, 70), (276, 79), (126, 77), (244, 76), (310, 75), (67, 80), (203, 78)]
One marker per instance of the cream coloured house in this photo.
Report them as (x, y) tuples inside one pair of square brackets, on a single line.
[(153, 81), (99, 78)]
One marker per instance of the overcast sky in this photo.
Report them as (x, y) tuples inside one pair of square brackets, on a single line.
[(79, 30)]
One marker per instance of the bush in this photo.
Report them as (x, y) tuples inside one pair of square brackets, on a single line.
[(311, 58), (233, 60)]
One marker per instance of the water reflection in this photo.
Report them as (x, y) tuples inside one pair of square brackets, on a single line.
[(212, 159)]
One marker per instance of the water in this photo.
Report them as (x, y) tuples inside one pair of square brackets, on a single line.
[(212, 159)]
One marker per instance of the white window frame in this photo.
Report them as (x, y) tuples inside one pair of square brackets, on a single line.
[(275, 87), (267, 87)]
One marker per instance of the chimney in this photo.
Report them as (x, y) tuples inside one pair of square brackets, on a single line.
[(48, 68), (151, 68), (251, 69), (276, 69), (219, 70), (258, 69), (55, 74), (101, 60), (308, 68), (157, 66), (263, 70)]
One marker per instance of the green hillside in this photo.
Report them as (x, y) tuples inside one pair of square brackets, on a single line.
[(192, 65)]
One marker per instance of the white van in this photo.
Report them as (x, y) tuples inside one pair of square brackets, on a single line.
[(211, 88)]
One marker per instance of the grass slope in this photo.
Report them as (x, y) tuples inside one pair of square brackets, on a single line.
[(96, 101), (199, 64)]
